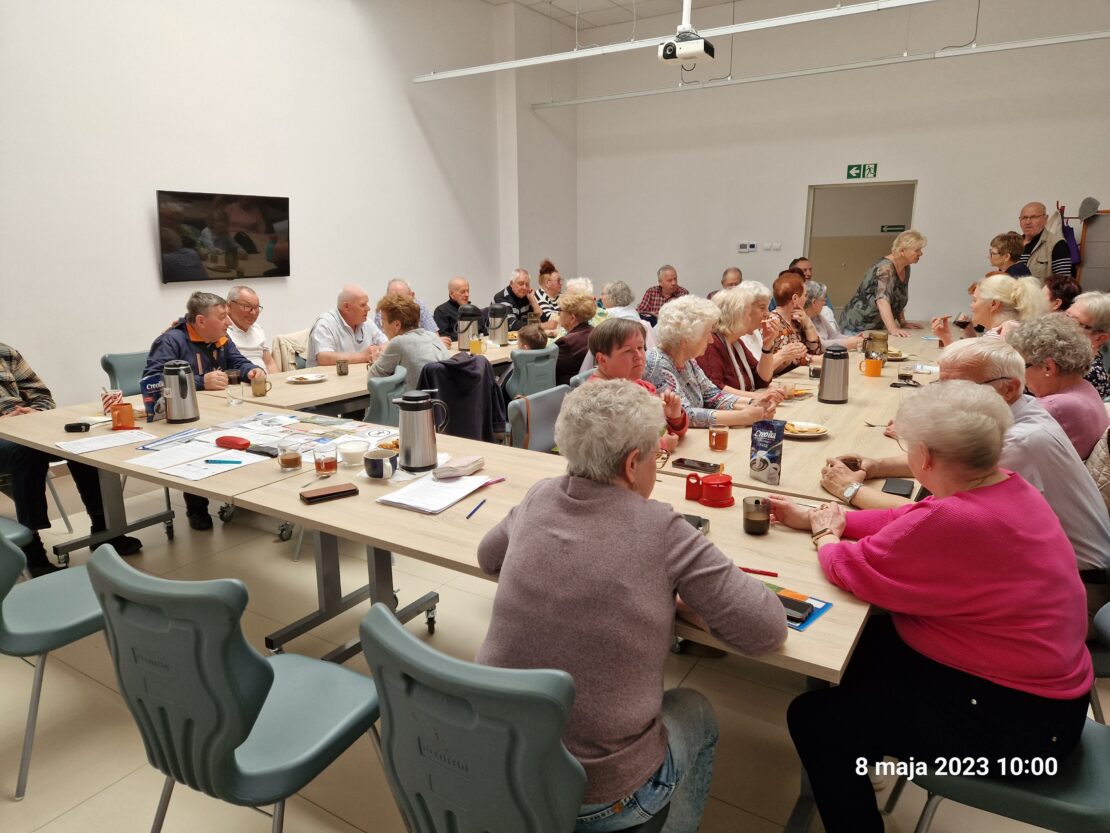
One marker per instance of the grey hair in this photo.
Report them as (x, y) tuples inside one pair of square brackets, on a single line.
[(958, 421), (516, 273), (1057, 337), (752, 291), (1097, 305), (398, 282), (1021, 299), (581, 285), (733, 309), (600, 423), (619, 293), (350, 292), (814, 290), (666, 267), (235, 291), (684, 319), (992, 357), (200, 302)]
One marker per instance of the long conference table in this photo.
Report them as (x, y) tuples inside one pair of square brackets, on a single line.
[(450, 539)]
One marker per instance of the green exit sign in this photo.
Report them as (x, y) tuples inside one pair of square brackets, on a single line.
[(889, 229), (866, 170)]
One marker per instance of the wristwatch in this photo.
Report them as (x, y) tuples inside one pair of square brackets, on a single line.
[(850, 492)]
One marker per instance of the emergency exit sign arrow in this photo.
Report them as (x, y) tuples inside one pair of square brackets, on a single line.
[(854, 171), (867, 170)]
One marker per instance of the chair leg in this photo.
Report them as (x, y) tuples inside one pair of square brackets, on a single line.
[(928, 812), (29, 733), (58, 503), (895, 794), (279, 817), (163, 805), (1096, 706)]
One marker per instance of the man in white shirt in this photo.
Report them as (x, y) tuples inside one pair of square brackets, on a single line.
[(344, 332), (244, 308)]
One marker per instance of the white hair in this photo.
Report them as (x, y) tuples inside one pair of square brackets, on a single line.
[(398, 283), (684, 319), (1021, 299), (733, 306), (1057, 337), (991, 358), (583, 285), (619, 293), (960, 422), (351, 292), (601, 422), (1097, 305), (235, 291)]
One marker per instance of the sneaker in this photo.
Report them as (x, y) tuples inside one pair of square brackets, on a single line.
[(200, 522), (125, 544)]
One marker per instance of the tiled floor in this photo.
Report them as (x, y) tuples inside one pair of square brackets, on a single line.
[(89, 771)]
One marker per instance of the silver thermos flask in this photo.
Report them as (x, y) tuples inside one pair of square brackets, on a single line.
[(499, 323), (834, 376), (180, 392), (418, 429), (470, 325)]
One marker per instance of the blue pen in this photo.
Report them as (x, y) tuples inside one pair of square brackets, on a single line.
[(226, 462), (470, 514)]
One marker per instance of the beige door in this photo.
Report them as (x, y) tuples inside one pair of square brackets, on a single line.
[(844, 230)]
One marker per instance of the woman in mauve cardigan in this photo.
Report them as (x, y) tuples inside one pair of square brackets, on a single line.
[(983, 654)]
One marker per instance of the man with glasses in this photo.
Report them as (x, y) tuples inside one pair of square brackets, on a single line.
[(1091, 311), (1045, 253), (243, 308)]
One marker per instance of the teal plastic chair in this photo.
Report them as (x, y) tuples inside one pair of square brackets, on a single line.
[(467, 747), (15, 532), (533, 370), (37, 617), (213, 713), (1100, 657), (579, 378), (125, 371), (532, 419), (381, 410)]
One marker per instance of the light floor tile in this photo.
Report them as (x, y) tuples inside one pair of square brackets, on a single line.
[(721, 817)]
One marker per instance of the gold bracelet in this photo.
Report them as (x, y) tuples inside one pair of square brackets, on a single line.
[(821, 533)]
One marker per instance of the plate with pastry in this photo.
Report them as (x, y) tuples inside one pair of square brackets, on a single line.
[(804, 430)]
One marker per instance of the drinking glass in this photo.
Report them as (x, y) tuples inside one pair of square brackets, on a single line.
[(234, 388)]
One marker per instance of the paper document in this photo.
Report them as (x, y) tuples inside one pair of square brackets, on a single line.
[(99, 443), (175, 455), (199, 470), (432, 496)]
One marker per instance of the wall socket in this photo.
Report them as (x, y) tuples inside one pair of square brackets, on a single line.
[(744, 248)]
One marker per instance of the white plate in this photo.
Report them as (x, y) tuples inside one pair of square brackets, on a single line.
[(307, 378), (821, 431)]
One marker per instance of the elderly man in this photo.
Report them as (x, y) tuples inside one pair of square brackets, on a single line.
[(731, 277), (447, 313), (402, 288), (344, 332), (666, 290), (1035, 447), (521, 297), (1045, 253), (200, 339), (23, 392), (243, 308)]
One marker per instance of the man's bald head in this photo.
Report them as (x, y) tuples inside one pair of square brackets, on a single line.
[(1032, 219), (399, 287), (458, 289), (353, 304)]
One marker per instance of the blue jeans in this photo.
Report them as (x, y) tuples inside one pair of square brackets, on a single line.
[(682, 780)]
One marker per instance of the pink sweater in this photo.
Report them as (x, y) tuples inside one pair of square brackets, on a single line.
[(1081, 414), (982, 581)]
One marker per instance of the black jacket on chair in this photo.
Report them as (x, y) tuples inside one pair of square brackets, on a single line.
[(468, 386)]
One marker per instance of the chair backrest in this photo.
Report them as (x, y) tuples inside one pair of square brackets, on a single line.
[(468, 747), (125, 370), (532, 418), (579, 378), (533, 370), (381, 410), (1098, 464), (468, 386), (286, 349), (12, 564), (193, 683)]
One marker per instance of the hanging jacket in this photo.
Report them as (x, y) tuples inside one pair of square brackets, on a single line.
[(468, 386)]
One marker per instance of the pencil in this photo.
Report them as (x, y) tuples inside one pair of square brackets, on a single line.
[(759, 572), (470, 514)]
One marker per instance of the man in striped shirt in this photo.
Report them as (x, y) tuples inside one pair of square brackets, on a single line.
[(1045, 253)]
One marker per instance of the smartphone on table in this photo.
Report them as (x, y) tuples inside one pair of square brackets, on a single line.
[(690, 464)]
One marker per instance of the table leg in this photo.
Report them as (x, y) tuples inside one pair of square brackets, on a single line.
[(115, 516), (801, 817)]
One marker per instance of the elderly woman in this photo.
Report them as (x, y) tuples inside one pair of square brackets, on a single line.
[(1091, 311), (622, 559), (1057, 356), (815, 306), (409, 345), (550, 285), (1005, 254), (795, 334), (685, 326), (954, 671), (881, 299), (618, 300), (575, 311), (727, 362), (996, 300)]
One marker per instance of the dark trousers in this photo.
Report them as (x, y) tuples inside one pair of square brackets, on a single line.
[(195, 504), (894, 701), (28, 467)]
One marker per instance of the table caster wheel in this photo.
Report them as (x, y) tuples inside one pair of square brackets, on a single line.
[(63, 559), (285, 532), (430, 620), (226, 513), (678, 646), (168, 525)]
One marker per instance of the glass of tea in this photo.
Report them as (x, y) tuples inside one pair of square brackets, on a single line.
[(718, 438), (289, 455), (325, 460)]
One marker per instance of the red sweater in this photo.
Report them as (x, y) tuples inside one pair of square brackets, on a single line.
[(716, 364), (982, 581)]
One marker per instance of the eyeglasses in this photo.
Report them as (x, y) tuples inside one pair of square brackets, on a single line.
[(1025, 217), (247, 307), (661, 458)]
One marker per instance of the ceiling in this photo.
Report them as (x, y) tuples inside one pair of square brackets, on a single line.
[(593, 13)]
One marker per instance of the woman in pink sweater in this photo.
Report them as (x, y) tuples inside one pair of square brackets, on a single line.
[(983, 655)]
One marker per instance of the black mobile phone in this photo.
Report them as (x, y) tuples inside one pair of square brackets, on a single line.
[(796, 611), (696, 465), (75, 427), (698, 522), (898, 486)]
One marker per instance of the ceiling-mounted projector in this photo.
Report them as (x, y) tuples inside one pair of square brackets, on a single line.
[(687, 46)]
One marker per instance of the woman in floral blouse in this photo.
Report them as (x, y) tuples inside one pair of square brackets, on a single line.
[(880, 301)]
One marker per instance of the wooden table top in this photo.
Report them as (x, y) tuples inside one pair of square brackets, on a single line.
[(291, 395)]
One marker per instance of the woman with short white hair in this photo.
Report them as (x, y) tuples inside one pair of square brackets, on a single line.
[(619, 558), (880, 301), (685, 326), (1057, 356), (1091, 311), (995, 301), (983, 655), (727, 361), (814, 306), (619, 302)]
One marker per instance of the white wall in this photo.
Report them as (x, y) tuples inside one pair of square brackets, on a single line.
[(685, 177), (103, 103)]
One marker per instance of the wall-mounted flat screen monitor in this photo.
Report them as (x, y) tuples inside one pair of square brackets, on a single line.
[(222, 237)]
